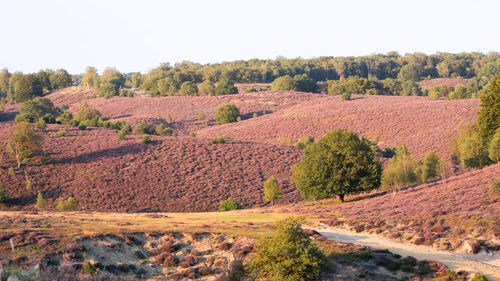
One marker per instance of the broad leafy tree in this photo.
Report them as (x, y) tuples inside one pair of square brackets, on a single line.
[(24, 143), (27, 88), (272, 190), (338, 164), (226, 113), (225, 87)]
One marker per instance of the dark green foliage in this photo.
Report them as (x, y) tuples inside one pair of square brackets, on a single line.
[(272, 190), (226, 113), (23, 143), (228, 205), (460, 92), (67, 205), (166, 87), (144, 128), (283, 83), (353, 85), (41, 124), (225, 87), (3, 195), (60, 79), (188, 88), (27, 87), (495, 187), (489, 116), (88, 116), (303, 83), (162, 131), (66, 117), (302, 144), (82, 127), (108, 90), (431, 165), (32, 110), (219, 139), (340, 163), (146, 139), (288, 255)]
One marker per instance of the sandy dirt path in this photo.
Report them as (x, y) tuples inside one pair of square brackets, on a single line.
[(487, 264)]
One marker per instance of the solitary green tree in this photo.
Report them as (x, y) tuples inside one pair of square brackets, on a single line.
[(226, 113), (338, 164), (431, 165), (40, 202), (24, 143), (32, 110), (272, 190)]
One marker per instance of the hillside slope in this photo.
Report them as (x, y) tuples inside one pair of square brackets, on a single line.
[(442, 214), (170, 174), (421, 123)]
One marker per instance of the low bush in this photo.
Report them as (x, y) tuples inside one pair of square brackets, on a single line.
[(229, 204), (61, 133), (146, 139), (226, 113), (495, 187), (67, 205), (219, 139), (346, 96), (162, 131), (287, 255)]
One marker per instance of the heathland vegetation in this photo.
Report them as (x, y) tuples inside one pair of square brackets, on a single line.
[(181, 138)]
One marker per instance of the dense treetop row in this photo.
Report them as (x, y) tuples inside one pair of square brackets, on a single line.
[(389, 74)]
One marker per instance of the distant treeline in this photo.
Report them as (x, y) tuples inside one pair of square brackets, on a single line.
[(376, 74)]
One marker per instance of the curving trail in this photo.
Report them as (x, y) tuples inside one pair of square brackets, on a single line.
[(487, 264)]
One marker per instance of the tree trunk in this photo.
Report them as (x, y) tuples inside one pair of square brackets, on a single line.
[(341, 196)]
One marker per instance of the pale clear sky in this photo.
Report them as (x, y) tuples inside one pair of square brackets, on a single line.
[(139, 35)]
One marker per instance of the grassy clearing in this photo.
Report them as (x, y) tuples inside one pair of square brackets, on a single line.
[(252, 223)]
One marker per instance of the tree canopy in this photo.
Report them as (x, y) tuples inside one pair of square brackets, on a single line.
[(338, 164)]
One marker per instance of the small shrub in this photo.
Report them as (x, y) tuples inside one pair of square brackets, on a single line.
[(29, 185), (288, 255), (67, 205), (192, 134), (238, 119), (40, 202), (82, 127), (302, 144), (478, 277), (226, 113), (146, 139), (11, 171), (3, 195), (121, 135), (495, 187), (272, 190), (219, 139), (41, 124), (255, 115), (168, 119), (162, 131), (346, 96), (61, 133), (201, 116), (144, 128), (228, 205), (408, 268)]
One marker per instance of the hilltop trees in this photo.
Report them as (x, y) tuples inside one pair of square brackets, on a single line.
[(24, 143), (60, 79), (338, 164), (272, 190), (90, 78), (27, 87), (206, 88), (188, 88), (111, 81), (226, 113), (4, 82)]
